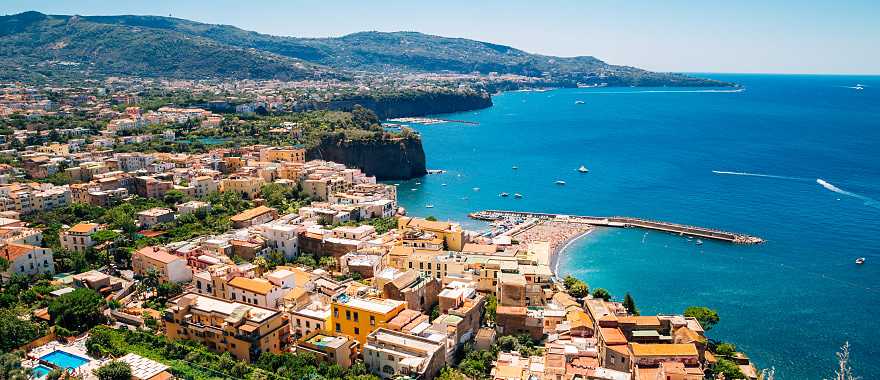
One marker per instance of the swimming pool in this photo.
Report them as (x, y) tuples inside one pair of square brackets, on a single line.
[(41, 370), (64, 359)]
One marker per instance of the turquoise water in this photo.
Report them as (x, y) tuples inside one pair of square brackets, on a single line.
[(64, 360), (789, 303), (41, 370)]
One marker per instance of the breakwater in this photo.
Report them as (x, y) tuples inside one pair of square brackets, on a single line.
[(625, 222)]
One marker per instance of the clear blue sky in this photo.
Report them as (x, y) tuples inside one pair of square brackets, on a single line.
[(782, 36)]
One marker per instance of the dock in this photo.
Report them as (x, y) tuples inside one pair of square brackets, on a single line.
[(625, 222)]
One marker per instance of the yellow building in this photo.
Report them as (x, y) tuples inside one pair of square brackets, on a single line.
[(249, 186), (451, 233), (283, 154), (358, 317), (245, 331)]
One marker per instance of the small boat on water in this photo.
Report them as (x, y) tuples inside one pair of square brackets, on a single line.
[(515, 167), (418, 183), (560, 183), (699, 242), (476, 189), (504, 194), (429, 205), (517, 195), (860, 260), (579, 102), (414, 189), (442, 184), (583, 169)]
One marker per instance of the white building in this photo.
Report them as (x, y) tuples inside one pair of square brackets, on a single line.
[(27, 259), (390, 354)]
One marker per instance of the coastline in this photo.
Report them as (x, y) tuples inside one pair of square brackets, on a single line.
[(554, 256)]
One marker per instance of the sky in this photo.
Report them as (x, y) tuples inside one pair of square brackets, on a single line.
[(733, 36)]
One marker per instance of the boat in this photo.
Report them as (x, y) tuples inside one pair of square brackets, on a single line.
[(579, 102), (583, 169), (699, 242), (561, 183), (476, 189), (504, 194), (860, 260), (859, 87), (442, 184), (414, 189), (515, 167), (429, 206), (418, 183), (517, 195)]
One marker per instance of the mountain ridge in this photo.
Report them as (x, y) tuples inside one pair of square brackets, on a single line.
[(252, 55)]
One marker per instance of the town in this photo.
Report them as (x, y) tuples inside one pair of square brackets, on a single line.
[(146, 237)]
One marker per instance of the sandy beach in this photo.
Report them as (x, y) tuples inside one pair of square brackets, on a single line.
[(558, 233)]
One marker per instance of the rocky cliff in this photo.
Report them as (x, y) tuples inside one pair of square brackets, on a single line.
[(418, 104), (396, 158)]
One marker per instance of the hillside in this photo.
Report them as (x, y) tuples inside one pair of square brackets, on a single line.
[(165, 46), (33, 45)]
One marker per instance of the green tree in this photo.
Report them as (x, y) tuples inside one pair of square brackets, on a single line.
[(491, 309), (328, 262), (725, 349), (173, 197), (114, 370), (15, 330), (727, 367), (10, 366), (78, 310), (104, 236), (431, 218), (601, 293), (579, 289), (707, 317), (630, 304), (450, 373)]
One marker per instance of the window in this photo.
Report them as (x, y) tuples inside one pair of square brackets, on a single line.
[(357, 331), (355, 316), (338, 328), (348, 315), (335, 312), (308, 324), (372, 320)]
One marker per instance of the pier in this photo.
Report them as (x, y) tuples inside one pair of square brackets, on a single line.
[(625, 222)]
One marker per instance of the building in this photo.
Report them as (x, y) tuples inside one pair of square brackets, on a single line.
[(145, 369), (310, 317), (333, 349), (389, 354), (254, 291), (192, 206), (419, 292), (254, 216), (79, 237), (27, 259), (170, 268), (245, 331), (451, 234), (358, 317), (249, 186), (283, 154), (154, 216)]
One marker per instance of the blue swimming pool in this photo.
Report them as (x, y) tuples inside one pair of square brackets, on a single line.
[(64, 360), (41, 370)]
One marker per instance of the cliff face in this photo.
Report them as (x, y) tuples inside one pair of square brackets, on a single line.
[(403, 105), (401, 158)]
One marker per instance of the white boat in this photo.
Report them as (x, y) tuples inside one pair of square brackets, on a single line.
[(418, 183), (442, 184), (517, 195), (859, 88), (699, 242), (860, 260), (579, 102), (515, 167), (583, 169), (476, 189), (504, 194), (561, 183), (429, 206)]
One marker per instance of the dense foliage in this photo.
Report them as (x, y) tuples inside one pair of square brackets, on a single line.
[(78, 310), (707, 317), (114, 370)]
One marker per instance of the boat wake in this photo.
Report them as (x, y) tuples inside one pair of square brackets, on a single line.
[(760, 175), (868, 200), (666, 91)]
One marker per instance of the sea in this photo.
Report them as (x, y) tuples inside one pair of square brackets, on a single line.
[(794, 159)]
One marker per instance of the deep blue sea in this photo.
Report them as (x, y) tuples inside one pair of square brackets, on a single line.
[(655, 153)]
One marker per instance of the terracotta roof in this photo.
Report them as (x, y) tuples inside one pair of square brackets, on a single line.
[(688, 349), (250, 214), (612, 336), (640, 320), (479, 248), (14, 250), (158, 254), (82, 228), (251, 285)]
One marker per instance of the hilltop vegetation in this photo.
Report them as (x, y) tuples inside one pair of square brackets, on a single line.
[(43, 46)]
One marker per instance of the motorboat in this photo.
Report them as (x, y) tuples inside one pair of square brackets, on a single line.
[(504, 194), (860, 260), (517, 195), (583, 169), (699, 242), (429, 205), (579, 102), (561, 183)]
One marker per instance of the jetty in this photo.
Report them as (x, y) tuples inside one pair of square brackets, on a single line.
[(623, 222)]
